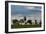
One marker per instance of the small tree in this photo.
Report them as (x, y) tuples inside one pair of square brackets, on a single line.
[(35, 21)]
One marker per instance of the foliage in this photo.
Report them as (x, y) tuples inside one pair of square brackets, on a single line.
[(29, 21), (14, 21)]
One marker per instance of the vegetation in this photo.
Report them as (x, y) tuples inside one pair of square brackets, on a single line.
[(29, 21), (30, 25), (23, 24), (14, 21)]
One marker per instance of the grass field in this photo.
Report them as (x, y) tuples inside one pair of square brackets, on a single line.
[(17, 25)]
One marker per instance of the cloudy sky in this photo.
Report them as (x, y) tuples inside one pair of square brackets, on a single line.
[(32, 11)]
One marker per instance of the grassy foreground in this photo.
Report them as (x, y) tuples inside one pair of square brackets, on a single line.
[(17, 25)]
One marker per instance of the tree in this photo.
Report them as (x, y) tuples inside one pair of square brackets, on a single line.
[(40, 22), (35, 21), (25, 18), (29, 21), (14, 21)]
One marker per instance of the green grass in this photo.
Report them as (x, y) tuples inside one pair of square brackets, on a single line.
[(17, 25)]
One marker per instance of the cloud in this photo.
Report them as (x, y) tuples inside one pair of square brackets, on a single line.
[(29, 7), (33, 8)]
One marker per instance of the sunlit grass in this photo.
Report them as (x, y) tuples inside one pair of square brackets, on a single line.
[(17, 25)]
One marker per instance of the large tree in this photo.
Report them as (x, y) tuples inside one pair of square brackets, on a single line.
[(29, 21), (14, 21)]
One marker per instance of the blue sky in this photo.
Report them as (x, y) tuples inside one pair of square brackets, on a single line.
[(25, 10)]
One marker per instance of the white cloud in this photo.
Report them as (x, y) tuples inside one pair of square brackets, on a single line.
[(31, 7)]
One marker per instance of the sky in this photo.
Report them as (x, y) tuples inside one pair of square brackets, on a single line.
[(32, 11)]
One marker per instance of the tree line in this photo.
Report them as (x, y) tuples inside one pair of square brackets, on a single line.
[(23, 20)]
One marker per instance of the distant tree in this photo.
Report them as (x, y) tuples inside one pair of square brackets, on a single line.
[(35, 21), (40, 22), (29, 21), (21, 20), (14, 21), (25, 18)]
